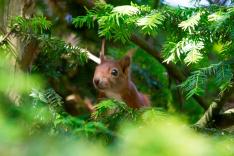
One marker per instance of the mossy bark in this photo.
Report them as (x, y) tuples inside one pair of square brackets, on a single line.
[(18, 61)]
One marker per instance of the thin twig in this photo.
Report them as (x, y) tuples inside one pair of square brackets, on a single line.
[(93, 58), (6, 36), (9, 42)]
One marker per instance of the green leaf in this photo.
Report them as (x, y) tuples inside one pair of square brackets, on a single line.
[(193, 57), (126, 10), (190, 23), (150, 22), (187, 48)]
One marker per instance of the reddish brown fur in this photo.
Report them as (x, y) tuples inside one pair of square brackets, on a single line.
[(119, 87)]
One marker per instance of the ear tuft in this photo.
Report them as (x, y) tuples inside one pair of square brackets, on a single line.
[(102, 52)]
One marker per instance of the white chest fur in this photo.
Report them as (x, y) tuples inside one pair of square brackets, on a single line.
[(114, 96)]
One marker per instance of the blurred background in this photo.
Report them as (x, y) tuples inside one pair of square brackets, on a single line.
[(183, 62)]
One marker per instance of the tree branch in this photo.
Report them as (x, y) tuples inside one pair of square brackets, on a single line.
[(171, 68), (213, 111)]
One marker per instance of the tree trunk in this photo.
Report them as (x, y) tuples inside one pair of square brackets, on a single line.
[(9, 9)]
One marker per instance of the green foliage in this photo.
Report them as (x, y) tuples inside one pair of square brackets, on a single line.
[(219, 18), (160, 138), (126, 10), (190, 23), (7, 78), (199, 40), (49, 97), (156, 131), (36, 25), (53, 50), (192, 37), (113, 113), (195, 84), (150, 23), (209, 30), (187, 49), (59, 120), (120, 22)]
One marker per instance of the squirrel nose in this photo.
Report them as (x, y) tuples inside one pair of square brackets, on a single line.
[(96, 81)]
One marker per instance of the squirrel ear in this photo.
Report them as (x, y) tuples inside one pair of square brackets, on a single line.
[(125, 63), (131, 52), (102, 56)]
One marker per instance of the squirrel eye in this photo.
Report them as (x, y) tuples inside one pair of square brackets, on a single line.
[(114, 72)]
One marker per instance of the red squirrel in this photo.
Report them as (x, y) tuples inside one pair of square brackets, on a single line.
[(112, 79)]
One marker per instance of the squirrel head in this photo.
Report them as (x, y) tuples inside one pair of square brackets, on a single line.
[(112, 75)]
